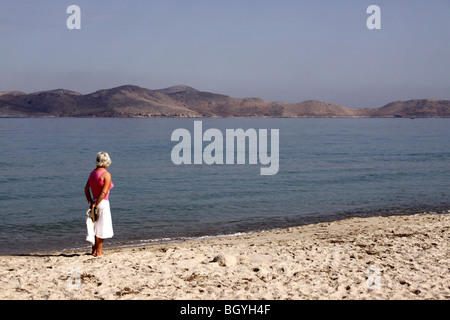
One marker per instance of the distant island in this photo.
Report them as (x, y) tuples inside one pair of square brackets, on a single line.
[(183, 101)]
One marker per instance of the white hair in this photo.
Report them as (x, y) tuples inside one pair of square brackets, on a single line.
[(103, 159)]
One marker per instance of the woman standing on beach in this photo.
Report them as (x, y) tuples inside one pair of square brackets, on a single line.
[(99, 183)]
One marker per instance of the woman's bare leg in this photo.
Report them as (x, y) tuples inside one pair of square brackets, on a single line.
[(98, 247)]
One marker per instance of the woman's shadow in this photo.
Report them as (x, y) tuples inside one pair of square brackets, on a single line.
[(46, 255)]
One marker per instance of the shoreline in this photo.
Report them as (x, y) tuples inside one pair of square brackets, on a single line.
[(395, 257), (305, 221)]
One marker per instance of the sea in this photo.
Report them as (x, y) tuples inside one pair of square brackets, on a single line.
[(329, 169)]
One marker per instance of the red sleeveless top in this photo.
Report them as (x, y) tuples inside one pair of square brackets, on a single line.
[(96, 183)]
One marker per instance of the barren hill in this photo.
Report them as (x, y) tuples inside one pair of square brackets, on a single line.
[(423, 108), (184, 101)]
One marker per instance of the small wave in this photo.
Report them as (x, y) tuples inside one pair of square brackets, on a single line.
[(147, 242), (137, 243)]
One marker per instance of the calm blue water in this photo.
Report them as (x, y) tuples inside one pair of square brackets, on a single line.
[(329, 169)]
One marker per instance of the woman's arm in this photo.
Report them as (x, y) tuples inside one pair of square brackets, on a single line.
[(106, 185), (87, 193)]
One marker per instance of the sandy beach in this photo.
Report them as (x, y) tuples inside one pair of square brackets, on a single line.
[(399, 257)]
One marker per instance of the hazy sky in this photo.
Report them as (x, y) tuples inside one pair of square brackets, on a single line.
[(280, 50)]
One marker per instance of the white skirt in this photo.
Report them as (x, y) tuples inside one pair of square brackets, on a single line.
[(103, 226)]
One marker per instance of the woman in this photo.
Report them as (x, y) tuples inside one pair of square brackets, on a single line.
[(99, 183)]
